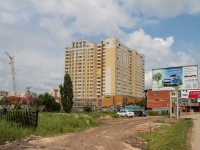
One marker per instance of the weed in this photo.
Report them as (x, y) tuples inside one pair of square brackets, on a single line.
[(169, 137)]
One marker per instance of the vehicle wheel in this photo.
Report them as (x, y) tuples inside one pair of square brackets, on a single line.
[(126, 116)]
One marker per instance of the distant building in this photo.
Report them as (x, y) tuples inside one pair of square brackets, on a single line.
[(158, 99), (55, 92), (28, 94), (161, 100), (105, 74), (3, 102), (4, 93)]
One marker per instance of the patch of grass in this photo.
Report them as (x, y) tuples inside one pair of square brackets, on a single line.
[(171, 137), (10, 132), (156, 113), (52, 124)]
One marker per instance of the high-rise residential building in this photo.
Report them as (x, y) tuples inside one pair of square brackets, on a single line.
[(105, 74)]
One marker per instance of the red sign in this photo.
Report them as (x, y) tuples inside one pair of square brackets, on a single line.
[(194, 94)]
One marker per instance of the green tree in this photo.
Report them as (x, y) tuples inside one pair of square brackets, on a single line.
[(157, 77), (49, 102), (87, 108), (142, 103), (66, 92)]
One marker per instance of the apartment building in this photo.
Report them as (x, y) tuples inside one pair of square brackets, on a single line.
[(104, 74)]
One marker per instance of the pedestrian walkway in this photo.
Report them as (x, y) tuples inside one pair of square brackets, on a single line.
[(195, 137)]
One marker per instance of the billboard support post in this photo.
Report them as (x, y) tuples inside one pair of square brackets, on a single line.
[(170, 105), (177, 105)]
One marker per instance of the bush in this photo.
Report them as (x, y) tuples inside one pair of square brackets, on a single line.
[(87, 108), (153, 113)]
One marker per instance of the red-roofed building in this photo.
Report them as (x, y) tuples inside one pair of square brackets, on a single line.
[(24, 99)]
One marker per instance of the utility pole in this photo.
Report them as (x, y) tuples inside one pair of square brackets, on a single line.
[(27, 95)]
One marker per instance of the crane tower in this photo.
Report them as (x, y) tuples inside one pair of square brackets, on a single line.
[(13, 74)]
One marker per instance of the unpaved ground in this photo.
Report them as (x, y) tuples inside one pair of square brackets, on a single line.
[(114, 134), (195, 132)]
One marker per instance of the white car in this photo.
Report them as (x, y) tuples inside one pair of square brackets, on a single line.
[(125, 113)]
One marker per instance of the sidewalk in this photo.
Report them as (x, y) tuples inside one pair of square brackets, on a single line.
[(195, 138)]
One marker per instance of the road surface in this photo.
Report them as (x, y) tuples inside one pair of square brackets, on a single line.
[(114, 134)]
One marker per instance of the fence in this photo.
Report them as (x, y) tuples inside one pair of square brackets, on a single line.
[(163, 111), (21, 118)]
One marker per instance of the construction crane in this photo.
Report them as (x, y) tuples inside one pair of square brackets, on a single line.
[(13, 75)]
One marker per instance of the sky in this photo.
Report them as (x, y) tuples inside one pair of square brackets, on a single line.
[(36, 33)]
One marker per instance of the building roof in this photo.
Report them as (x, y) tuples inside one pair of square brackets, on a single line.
[(11, 98)]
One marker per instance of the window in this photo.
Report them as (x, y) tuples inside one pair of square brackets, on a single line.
[(107, 43)]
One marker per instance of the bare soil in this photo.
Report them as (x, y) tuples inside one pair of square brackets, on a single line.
[(113, 134)]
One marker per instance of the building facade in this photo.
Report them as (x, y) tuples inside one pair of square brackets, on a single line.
[(4, 93), (28, 94), (55, 92), (161, 100), (158, 99), (105, 74)]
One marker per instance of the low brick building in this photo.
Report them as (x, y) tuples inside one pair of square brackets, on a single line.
[(159, 99)]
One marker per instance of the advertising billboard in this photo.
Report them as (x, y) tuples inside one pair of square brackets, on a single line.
[(194, 94), (178, 78), (190, 93)]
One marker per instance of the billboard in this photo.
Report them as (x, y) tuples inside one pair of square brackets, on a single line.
[(190, 93), (184, 77), (194, 94)]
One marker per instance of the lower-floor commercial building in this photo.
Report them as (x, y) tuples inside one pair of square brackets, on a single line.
[(161, 100)]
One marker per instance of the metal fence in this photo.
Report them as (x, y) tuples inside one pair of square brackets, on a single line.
[(22, 118)]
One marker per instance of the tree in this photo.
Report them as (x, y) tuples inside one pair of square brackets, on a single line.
[(66, 92), (157, 76), (49, 102), (142, 103)]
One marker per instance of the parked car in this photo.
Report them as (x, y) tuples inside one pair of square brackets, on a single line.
[(125, 113), (173, 79), (144, 114)]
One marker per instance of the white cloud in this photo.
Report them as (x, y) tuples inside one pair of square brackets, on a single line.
[(164, 8), (1, 65), (148, 80), (65, 18), (158, 53), (55, 75), (37, 31)]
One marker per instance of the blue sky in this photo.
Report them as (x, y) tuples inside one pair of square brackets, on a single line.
[(36, 33)]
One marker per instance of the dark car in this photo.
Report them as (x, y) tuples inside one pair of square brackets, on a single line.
[(173, 79), (144, 114)]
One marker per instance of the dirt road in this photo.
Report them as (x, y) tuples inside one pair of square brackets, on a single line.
[(114, 134)]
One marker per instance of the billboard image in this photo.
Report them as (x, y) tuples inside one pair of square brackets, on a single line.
[(185, 77)]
